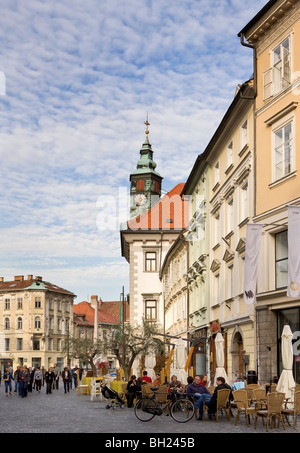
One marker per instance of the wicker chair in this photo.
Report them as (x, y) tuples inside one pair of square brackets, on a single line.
[(222, 402), (274, 409), (259, 398), (295, 411), (146, 390), (297, 388), (162, 393), (211, 389), (241, 400)]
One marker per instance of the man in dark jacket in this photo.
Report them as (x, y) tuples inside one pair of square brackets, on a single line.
[(212, 404), (198, 392), (49, 378)]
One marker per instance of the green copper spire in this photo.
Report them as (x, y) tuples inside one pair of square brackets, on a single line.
[(145, 187), (146, 163)]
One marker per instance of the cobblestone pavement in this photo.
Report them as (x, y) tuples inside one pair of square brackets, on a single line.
[(71, 413)]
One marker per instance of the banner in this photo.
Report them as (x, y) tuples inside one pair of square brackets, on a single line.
[(253, 238), (293, 288)]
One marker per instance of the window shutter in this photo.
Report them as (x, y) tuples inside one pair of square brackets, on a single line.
[(267, 84)]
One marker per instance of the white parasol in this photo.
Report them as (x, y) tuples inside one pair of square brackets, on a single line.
[(220, 371), (181, 359), (286, 383), (150, 363)]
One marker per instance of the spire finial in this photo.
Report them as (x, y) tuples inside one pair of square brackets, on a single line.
[(147, 124)]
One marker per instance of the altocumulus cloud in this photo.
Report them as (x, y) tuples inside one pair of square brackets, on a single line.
[(80, 77)]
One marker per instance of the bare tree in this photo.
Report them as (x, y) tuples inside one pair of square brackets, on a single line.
[(130, 342)]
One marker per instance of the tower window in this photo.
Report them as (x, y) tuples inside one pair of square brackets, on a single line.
[(140, 185), (156, 187)]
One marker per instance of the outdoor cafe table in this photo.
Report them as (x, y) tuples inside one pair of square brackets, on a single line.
[(118, 386)]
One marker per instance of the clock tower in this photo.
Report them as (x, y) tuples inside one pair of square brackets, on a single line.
[(145, 182)]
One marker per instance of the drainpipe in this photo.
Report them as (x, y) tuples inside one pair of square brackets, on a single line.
[(245, 44)]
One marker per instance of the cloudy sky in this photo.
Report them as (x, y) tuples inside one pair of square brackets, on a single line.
[(80, 77)]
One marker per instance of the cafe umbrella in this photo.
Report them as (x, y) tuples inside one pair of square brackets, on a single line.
[(220, 370), (286, 383)]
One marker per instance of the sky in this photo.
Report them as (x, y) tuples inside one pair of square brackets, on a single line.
[(77, 81)]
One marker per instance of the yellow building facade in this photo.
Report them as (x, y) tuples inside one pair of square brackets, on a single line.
[(274, 34)]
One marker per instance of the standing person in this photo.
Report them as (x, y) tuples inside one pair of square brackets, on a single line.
[(7, 378), (66, 376), (49, 378), (30, 380), (44, 372), (56, 372), (23, 378), (16, 373), (75, 377), (146, 378), (38, 378)]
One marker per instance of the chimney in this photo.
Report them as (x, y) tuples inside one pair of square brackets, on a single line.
[(19, 278), (39, 279), (94, 304), (29, 277)]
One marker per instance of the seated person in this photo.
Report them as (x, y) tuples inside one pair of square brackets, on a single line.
[(146, 378), (200, 393), (132, 388), (157, 380), (174, 383), (212, 404)]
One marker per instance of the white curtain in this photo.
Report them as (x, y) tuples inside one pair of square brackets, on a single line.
[(220, 371), (286, 383)]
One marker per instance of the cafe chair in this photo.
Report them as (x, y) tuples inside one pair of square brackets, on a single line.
[(222, 403), (274, 409), (241, 401), (295, 411)]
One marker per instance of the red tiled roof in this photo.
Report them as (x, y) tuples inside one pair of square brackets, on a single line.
[(34, 284), (85, 308), (169, 213)]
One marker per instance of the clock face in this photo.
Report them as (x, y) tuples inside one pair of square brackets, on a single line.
[(140, 199)]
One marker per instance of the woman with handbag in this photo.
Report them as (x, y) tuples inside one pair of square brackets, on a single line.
[(7, 378)]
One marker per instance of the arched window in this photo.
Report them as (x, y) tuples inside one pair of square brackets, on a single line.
[(140, 185), (20, 323), (7, 323), (37, 322)]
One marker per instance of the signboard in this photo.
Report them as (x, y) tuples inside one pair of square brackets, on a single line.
[(215, 326)]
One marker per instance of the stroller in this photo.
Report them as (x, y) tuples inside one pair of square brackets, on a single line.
[(113, 397)]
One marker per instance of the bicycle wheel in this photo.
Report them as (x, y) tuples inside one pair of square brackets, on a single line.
[(182, 410), (144, 409)]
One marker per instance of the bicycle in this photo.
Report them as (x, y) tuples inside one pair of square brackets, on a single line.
[(181, 409)]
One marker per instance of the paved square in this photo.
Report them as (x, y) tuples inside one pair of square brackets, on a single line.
[(71, 413)]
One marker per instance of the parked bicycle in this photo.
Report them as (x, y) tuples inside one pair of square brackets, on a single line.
[(178, 406)]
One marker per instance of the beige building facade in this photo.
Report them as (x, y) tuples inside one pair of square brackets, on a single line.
[(36, 317)]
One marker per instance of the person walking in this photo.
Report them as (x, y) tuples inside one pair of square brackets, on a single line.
[(49, 379), (38, 378), (66, 377), (16, 373), (7, 378), (23, 378)]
